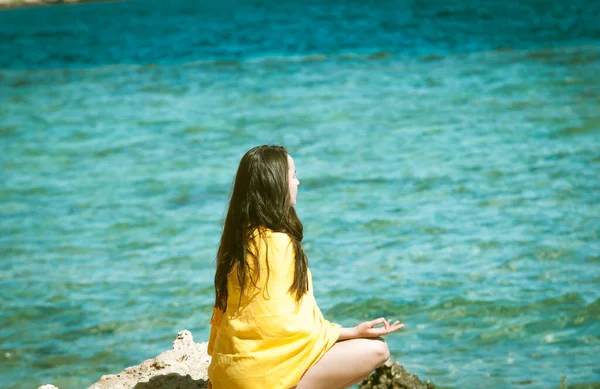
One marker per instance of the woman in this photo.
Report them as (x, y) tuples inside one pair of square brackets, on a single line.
[(267, 331)]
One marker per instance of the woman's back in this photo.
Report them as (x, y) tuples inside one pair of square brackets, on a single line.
[(267, 339)]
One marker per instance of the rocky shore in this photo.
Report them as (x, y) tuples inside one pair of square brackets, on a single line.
[(185, 367), (36, 3)]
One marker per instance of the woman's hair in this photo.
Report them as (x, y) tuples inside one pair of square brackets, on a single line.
[(260, 199)]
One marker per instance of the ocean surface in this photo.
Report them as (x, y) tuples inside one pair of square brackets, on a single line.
[(448, 154)]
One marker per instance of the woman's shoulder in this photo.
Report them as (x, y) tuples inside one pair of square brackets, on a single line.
[(271, 237), (279, 237)]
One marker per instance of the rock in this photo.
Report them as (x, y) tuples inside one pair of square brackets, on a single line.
[(186, 367), (34, 3), (393, 375), (183, 367)]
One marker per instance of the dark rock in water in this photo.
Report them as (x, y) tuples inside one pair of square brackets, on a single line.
[(393, 375), (172, 381)]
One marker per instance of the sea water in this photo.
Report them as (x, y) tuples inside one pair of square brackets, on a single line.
[(448, 156)]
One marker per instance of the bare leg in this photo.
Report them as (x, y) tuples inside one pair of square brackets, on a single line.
[(345, 364)]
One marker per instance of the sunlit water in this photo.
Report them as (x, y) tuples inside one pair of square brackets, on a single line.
[(448, 156)]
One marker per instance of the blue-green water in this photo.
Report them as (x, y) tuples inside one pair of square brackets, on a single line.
[(449, 159)]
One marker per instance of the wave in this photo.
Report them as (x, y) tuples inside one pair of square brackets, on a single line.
[(563, 55)]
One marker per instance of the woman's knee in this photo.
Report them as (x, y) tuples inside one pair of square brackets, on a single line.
[(380, 352)]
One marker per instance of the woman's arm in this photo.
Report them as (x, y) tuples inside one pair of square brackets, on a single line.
[(367, 329)]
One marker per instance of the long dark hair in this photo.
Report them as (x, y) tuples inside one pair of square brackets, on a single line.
[(260, 199)]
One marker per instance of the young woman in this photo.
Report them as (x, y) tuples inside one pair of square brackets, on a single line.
[(267, 331)]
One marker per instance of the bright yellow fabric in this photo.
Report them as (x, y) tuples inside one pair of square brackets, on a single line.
[(271, 340)]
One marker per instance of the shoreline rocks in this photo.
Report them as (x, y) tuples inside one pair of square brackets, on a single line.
[(186, 367), (393, 375), (7, 4)]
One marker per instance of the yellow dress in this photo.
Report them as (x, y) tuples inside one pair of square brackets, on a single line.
[(272, 340)]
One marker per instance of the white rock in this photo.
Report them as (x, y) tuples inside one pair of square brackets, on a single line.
[(184, 366)]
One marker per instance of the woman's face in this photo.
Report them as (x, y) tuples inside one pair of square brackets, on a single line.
[(293, 181)]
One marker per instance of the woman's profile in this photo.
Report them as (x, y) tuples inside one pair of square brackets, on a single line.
[(267, 331)]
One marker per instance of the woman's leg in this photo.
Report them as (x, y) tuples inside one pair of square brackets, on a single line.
[(345, 364)]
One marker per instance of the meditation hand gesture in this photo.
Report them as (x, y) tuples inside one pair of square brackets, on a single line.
[(368, 329)]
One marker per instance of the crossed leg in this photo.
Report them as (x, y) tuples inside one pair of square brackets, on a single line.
[(345, 364)]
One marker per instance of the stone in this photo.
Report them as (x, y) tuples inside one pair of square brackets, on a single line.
[(35, 3), (183, 367), (392, 375)]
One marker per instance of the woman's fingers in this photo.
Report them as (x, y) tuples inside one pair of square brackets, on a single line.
[(396, 328), (373, 323), (384, 331), (374, 332), (382, 320), (387, 328)]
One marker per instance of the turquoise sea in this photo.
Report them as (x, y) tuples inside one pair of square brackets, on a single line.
[(448, 154)]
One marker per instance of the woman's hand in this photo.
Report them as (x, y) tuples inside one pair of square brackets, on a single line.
[(368, 329)]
